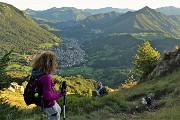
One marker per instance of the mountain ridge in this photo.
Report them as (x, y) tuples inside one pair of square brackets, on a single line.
[(59, 14), (106, 10), (145, 19), (169, 10)]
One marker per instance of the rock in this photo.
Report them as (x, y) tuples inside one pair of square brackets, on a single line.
[(14, 86), (178, 59), (170, 62), (11, 89)]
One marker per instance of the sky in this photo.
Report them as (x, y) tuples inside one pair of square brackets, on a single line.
[(93, 4)]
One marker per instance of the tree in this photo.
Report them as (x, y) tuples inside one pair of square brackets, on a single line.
[(4, 60), (145, 59)]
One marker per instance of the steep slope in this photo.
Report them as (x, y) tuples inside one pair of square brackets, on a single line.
[(145, 19), (127, 104), (169, 10), (20, 32), (175, 18), (59, 14)]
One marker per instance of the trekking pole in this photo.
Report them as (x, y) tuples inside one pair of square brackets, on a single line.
[(63, 89), (64, 107)]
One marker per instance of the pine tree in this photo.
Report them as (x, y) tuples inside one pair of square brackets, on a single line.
[(4, 60), (146, 59)]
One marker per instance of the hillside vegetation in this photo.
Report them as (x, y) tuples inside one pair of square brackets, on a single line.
[(19, 32), (121, 104)]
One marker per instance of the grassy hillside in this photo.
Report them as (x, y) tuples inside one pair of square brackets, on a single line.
[(20, 32), (126, 103), (122, 104)]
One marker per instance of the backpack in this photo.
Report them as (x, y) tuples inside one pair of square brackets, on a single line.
[(32, 94), (103, 91)]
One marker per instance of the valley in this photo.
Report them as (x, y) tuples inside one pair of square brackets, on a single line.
[(109, 40), (134, 53)]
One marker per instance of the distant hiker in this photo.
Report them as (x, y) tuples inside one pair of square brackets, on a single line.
[(101, 90), (44, 64)]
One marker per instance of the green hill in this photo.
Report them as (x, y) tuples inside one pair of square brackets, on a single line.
[(98, 20), (20, 32), (145, 19)]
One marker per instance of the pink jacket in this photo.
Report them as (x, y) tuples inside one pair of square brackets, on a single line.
[(46, 84)]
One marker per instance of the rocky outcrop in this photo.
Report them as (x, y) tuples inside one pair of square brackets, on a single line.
[(15, 87), (169, 62)]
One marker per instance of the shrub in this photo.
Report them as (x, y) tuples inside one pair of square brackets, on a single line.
[(130, 82)]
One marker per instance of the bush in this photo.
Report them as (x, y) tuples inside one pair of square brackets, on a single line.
[(130, 82)]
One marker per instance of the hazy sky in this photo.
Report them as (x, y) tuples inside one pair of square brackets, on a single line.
[(82, 4)]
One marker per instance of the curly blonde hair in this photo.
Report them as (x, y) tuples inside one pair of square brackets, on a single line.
[(45, 62)]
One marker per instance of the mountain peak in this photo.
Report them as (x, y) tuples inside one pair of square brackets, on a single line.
[(145, 10), (54, 8), (28, 9)]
